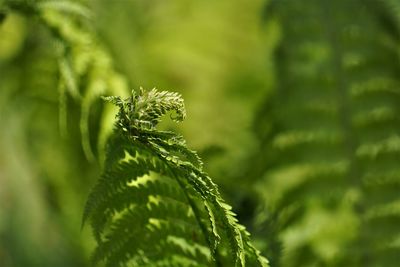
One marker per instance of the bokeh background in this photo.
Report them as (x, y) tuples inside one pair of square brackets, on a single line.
[(292, 105)]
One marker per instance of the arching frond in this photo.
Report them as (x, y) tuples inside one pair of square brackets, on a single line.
[(154, 205)]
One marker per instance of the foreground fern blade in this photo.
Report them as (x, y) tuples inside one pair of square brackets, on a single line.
[(154, 205)]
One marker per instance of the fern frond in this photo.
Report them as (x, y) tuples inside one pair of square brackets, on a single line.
[(85, 66), (86, 70), (330, 135), (154, 205)]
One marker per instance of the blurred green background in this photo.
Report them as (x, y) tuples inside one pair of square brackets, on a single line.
[(292, 105)]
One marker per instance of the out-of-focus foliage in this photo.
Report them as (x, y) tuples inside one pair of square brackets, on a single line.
[(41, 174), (316, 182), (328, 165)]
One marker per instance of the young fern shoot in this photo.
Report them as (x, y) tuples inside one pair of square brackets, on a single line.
[(154, 205)]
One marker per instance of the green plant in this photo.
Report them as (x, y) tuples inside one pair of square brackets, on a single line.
[(154, 205), (320, 189), (85, 67), (329, 136)]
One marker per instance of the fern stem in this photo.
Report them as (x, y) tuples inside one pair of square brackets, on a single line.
[(197, 215), (342, 85), (345, 111)]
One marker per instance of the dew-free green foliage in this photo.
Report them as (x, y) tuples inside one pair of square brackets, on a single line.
[(329, 157), (321, 189), (154, 205)]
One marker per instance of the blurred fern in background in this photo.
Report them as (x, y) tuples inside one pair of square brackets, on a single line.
[(327, 165)]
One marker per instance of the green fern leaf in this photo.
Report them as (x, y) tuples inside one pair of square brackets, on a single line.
[(154, 205)]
